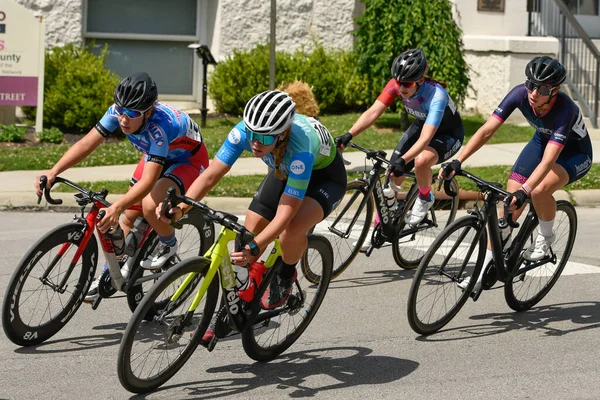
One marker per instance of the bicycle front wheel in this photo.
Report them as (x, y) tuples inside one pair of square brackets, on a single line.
[(435, 296), (274, 331), (151, 352), (46, 289), (411, 243), (194, 238), (524, 290)]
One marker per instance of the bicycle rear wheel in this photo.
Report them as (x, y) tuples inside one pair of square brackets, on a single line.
[(524, 290), (346, 228), (195, 238), (35, 309), (274, 331), (435, 297), (151, 352), (409, 248)]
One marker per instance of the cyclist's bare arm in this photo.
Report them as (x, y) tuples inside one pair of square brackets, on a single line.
[(79, 151), (483, 134), (144, 186), (367, 118)]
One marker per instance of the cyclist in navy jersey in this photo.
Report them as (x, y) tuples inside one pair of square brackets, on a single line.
[(435, 135), (173, 153), (306, 181), (559, 153)]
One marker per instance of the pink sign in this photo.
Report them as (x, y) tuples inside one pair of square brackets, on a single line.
[(18, 90)]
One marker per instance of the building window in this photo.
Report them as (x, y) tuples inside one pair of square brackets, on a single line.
[(150, 36), (582, 7)]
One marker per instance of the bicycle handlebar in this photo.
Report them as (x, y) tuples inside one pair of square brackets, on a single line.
[(89, 195), (222, 218)]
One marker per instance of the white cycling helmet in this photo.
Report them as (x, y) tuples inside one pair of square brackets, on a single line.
[(269, 113)]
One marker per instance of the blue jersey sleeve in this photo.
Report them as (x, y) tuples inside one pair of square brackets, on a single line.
[(511, 101), (108, 123), (300, 168), (437, 107), (233, 147)]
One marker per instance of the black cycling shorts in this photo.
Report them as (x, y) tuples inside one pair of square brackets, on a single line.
[(327, 186), (445, 142)]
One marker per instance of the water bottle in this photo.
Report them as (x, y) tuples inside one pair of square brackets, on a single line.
[(256, 274), (505, 233), (390, 198), (116, 235), (133, 239)]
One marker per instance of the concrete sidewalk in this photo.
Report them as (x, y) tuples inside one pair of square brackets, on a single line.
[(16, 187)]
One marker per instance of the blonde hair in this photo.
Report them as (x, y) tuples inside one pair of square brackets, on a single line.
[(302, 94), (306, 104)]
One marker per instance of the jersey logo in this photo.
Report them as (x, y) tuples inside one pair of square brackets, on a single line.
[(156, 134), (297, 167), (234, 136)]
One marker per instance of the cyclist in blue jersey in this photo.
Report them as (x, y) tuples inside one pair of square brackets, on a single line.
[(559, 153), (306, 181), (435, 135), (173, 153)]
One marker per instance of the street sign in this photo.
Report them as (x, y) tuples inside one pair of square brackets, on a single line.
[(21, 58)]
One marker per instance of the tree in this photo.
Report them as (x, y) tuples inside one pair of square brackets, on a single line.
[(387, 28)]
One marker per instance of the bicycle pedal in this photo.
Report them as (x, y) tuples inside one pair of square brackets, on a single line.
[(210, 346), (475, 295)]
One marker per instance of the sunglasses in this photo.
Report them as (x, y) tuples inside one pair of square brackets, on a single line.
[(541, 89), (265, 140), (407, 85), (132, 114)]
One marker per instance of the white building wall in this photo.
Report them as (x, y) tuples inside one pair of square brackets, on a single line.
[(63, 19)]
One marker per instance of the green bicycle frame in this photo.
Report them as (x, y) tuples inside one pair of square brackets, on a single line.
[(219, 256)]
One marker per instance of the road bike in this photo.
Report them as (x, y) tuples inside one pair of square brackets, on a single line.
[(151, 352), (436, 294), (51, 281), (348, 225)]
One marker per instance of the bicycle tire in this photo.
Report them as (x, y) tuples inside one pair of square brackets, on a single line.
[(345, 250), (195, 238), (428, 286), (141, 338), (263, 341), (516, 289), (21, 296), (409, 250)]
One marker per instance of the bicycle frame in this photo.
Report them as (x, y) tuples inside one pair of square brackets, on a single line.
[(220, 261)]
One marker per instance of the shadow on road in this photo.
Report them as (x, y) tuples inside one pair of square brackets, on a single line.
[(79, 343), (549, 320), (301, 374), (370, 278)]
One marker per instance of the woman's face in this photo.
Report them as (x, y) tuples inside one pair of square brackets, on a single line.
[(408, 89), (129, 125), (536, 100), (260, 150)]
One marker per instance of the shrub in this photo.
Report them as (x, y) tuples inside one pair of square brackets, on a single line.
[(330, 73), (11, 133), (51, 135), (78, 88), (387, 28)]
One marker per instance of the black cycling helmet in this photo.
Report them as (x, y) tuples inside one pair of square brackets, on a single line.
[(410, 66), (269, 113), (546, 70), (136, 92)]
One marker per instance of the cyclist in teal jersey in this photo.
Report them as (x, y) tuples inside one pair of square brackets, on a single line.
[(435, 135), (173, 153), (306, 180)]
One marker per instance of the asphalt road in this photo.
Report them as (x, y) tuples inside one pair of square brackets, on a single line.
[(359, 345)]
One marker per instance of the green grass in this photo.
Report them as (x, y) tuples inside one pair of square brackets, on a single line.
[(245, 186), (383, 135)]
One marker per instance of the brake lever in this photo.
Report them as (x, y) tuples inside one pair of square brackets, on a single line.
[(167, 206)]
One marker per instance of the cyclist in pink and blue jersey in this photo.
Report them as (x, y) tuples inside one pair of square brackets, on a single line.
[(435, 135), (173, 153)]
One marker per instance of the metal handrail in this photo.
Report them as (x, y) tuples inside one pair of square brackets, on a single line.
[(577, 51)]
